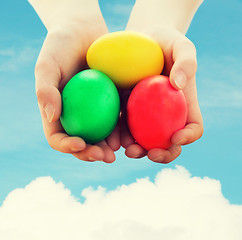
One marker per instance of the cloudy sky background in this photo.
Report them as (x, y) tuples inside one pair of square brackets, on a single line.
[(177, 206), (40, 187)]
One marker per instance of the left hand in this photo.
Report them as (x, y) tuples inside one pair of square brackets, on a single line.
[(180, 66)]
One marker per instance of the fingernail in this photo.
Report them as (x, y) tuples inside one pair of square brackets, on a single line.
[(92, 159), (180, 79), (75, 149), (181, 141), (50, 111), (159, 159)]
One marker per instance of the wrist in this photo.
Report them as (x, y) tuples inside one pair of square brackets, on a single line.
[(173, 14), (58, 13)]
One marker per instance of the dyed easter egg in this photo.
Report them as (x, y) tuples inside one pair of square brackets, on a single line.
[(155, 111), (90, 106), (126, 57)]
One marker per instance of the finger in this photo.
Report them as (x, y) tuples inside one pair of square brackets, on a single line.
[(194, 126), (91, 153), (63, 143), (185, 62), (48, 76), (191, 133), (47, 81), (135, 151), (49, 100), (126, 139), (109, 155), (58, 139), (113, 140), (164, 156)]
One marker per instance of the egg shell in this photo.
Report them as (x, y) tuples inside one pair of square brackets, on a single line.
[(155, 111), (126, 57), (90, 106)]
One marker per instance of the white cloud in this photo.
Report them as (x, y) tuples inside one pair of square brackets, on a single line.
[(176, 206)]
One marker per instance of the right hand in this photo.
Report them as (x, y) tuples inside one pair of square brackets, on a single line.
[(62, 56)]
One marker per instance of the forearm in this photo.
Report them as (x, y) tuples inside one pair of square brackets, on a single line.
[(173, 13), (57, 12)]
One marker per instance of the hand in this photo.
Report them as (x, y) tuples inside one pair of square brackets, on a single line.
[(180, 66), (62, 56)]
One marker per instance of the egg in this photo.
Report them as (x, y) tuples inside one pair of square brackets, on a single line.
[(126, 57), (155, 111), (90, 106)]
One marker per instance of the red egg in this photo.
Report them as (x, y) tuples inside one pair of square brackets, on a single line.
[(155, 111)]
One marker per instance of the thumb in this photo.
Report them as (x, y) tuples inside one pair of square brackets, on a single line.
[(47, 75), (185, 62), (49, 99)]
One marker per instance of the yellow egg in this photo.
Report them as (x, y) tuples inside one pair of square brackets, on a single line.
[(126, 57)]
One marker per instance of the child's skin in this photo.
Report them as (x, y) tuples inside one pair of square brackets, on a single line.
[(72, 26)]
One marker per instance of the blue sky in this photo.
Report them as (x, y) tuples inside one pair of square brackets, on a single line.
[(25, 154)]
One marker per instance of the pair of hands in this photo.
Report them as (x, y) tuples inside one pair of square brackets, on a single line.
[(64, 54)]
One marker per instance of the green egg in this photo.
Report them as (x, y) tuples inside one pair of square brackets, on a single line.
[(90, 106)]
